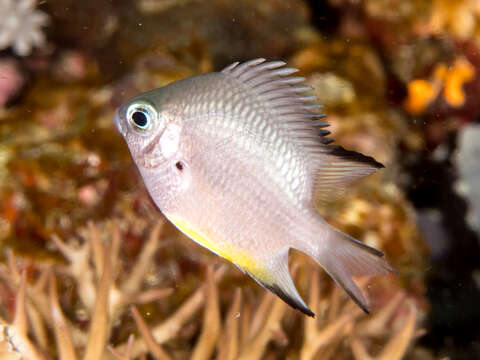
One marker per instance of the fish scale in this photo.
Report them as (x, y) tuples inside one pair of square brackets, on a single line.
[(238, 161), (270, 133), (284, 172)]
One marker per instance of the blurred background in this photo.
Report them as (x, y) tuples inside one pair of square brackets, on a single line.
[(91, 269)]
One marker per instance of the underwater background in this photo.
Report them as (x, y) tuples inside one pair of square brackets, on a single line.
[(91, 269)]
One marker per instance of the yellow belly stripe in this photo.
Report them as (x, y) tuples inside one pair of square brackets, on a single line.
[(240, 258)]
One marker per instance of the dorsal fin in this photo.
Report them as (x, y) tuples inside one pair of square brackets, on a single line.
[(283, 94), (332, 167), (337, 169)]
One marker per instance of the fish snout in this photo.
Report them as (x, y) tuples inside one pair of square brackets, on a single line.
[(118, 123)]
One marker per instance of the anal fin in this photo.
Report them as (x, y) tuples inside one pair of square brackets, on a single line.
[(275, 277)]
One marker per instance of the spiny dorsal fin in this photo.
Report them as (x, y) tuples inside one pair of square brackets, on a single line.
[(333, 167), (281, 93)]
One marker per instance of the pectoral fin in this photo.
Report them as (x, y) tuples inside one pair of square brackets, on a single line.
[(274, 275)]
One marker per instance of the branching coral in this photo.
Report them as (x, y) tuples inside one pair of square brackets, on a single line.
[(92, 266), (246, 331), (246, 336), (15, 335), (345, 325)]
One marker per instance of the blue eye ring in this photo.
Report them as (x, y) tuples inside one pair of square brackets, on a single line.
[(141, 116)]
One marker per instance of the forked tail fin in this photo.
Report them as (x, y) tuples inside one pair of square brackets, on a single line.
[(342, 256)]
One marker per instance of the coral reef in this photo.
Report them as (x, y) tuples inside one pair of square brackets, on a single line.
[(107, 292), (399, 81)]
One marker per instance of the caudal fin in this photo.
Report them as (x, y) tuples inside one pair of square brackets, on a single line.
[(342, 256), (275, 276)]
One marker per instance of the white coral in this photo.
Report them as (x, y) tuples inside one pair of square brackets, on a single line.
[(468, 167), (21, 26)]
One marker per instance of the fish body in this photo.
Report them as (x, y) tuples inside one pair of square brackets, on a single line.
[(237, 160)]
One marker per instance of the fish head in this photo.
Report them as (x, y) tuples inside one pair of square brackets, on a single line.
[(153, 131)]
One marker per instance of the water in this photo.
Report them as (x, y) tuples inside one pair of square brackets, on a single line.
[(399, 82)]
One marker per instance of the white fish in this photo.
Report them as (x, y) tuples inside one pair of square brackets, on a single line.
[(236, 160)]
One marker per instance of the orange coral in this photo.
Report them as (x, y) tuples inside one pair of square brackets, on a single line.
[(460, 73), (422, 92), (420, 95)]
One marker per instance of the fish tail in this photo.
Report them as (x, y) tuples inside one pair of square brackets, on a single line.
[(342, 256), (274, 276)]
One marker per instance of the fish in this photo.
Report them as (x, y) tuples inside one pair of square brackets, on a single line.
[(238, 160)]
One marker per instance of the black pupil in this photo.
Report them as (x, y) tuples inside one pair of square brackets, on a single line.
[(179, 166), (140, 119)]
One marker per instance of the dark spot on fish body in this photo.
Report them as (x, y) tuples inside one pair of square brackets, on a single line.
[(179, 166)]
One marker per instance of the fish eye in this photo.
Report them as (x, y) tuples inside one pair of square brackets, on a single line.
[(141, 117)]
